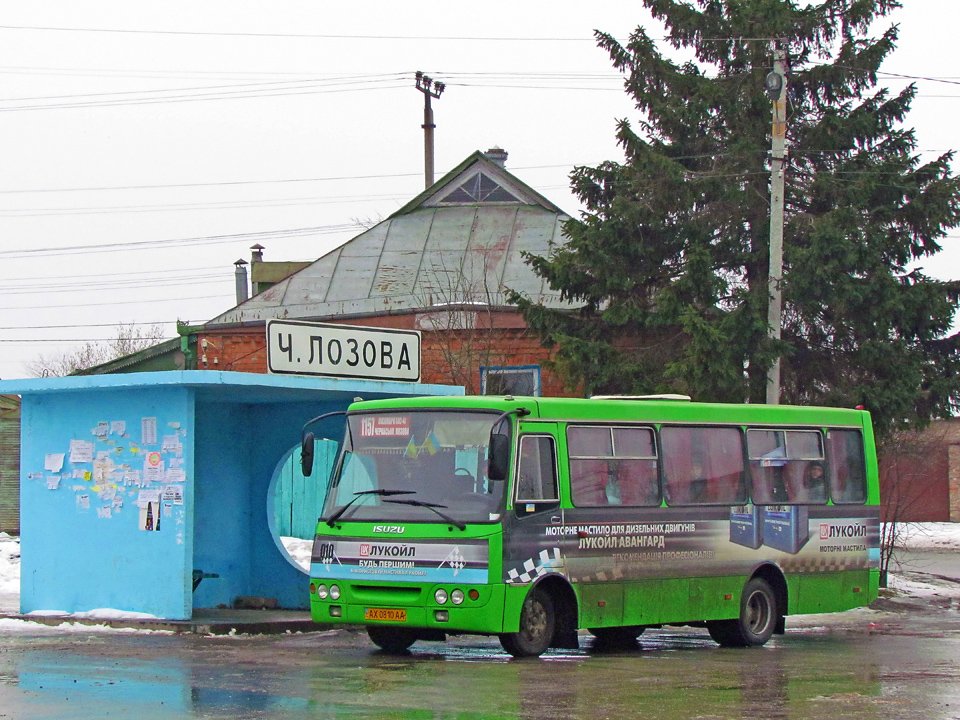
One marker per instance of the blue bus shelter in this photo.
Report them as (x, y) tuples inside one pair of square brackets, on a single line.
[(134, 487)]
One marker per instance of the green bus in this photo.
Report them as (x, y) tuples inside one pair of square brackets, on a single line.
[(531, 518)]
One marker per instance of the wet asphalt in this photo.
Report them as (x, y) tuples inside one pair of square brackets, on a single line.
[(900, 660)]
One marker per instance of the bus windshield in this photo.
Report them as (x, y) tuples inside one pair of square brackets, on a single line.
[(415, 466)]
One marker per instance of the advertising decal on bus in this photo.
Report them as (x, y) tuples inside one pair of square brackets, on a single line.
[(365, 559), (604, 551)]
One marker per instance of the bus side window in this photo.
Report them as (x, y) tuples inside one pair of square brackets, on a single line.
[(536, 472), (846, 470), (703, 465), (784, 466)]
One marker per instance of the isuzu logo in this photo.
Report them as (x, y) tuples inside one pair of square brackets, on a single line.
[(394, 529)]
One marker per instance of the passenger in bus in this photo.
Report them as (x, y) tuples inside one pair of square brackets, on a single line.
[(698, 483), (813, 488), (612, 490)]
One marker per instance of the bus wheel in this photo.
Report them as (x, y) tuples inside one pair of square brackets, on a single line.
[(758, 618), (391, 639), (537, 622), (617, 636)]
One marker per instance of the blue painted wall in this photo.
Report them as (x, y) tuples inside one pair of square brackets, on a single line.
[(205, 475), (82, 542)]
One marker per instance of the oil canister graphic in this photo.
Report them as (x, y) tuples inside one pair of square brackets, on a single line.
[(746, 526), (786, 527)]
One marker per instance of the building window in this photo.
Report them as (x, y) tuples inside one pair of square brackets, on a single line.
[(476, 189), (507, 380)]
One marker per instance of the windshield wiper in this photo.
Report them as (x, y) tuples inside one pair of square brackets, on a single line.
[(432, 506), (360, 494)]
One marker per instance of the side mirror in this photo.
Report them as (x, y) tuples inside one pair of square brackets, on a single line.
[(498, 464), (306, 454)]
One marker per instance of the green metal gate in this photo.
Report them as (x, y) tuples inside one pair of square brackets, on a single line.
[(10, 464), (298, 500)]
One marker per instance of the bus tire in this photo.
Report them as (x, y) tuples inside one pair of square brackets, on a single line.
[(391, 639), (757, 621), (537, 622)]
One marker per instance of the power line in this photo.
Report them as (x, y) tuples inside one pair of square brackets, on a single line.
[(316, 36), (79, 325), (227, 95), (120, 283), (333, 81), (33, 307), (226, 183), (178, 207), (202, 240)]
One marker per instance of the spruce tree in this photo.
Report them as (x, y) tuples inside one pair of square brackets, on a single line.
[(669, 260)]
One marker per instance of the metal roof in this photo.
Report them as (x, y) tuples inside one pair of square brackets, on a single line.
[(460, 241)]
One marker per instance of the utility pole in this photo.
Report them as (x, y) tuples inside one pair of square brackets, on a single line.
[(430, 89), (776, 87)]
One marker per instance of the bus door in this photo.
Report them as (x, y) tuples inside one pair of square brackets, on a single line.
[(533, 522)]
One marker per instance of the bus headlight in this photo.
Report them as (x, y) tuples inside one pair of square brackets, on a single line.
[(334, 592), (322, 592), (440, 596), (456, 597)]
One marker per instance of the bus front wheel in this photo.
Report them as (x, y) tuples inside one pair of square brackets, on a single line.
[(537, 623), (391, 639), (758, 618)]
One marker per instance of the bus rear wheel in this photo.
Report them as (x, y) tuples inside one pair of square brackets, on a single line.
[(758, 618), (537, 622), (391, 639)]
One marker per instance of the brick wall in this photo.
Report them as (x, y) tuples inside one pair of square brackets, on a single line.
[(448, 356), (920, 475)]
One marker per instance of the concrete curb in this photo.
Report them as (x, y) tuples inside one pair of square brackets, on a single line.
[(207, 622)]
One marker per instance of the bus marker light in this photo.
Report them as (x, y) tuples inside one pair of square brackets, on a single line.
[(728, 596), (441, 616), (857, 589), (601, 603), (474, 594), (313, 588)]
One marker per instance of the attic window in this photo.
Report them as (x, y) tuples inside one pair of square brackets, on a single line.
[(479, 188)]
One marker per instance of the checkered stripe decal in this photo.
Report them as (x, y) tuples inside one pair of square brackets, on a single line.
[(548, 561), (614, 574), (834, 563)]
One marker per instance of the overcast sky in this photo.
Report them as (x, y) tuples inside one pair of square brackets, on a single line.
[(144, 147)]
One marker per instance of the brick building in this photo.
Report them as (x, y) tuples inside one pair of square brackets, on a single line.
[(441, 265)]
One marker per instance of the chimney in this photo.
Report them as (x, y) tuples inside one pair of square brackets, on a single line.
[(257, 255), (240, 276), (497, 156)]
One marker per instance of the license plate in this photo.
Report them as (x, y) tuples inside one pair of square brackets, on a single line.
[(385, 614)]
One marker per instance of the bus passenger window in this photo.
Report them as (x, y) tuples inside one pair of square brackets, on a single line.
[(846, 471), (703, 465), (612, 465), (787, 466), (537, 477)]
